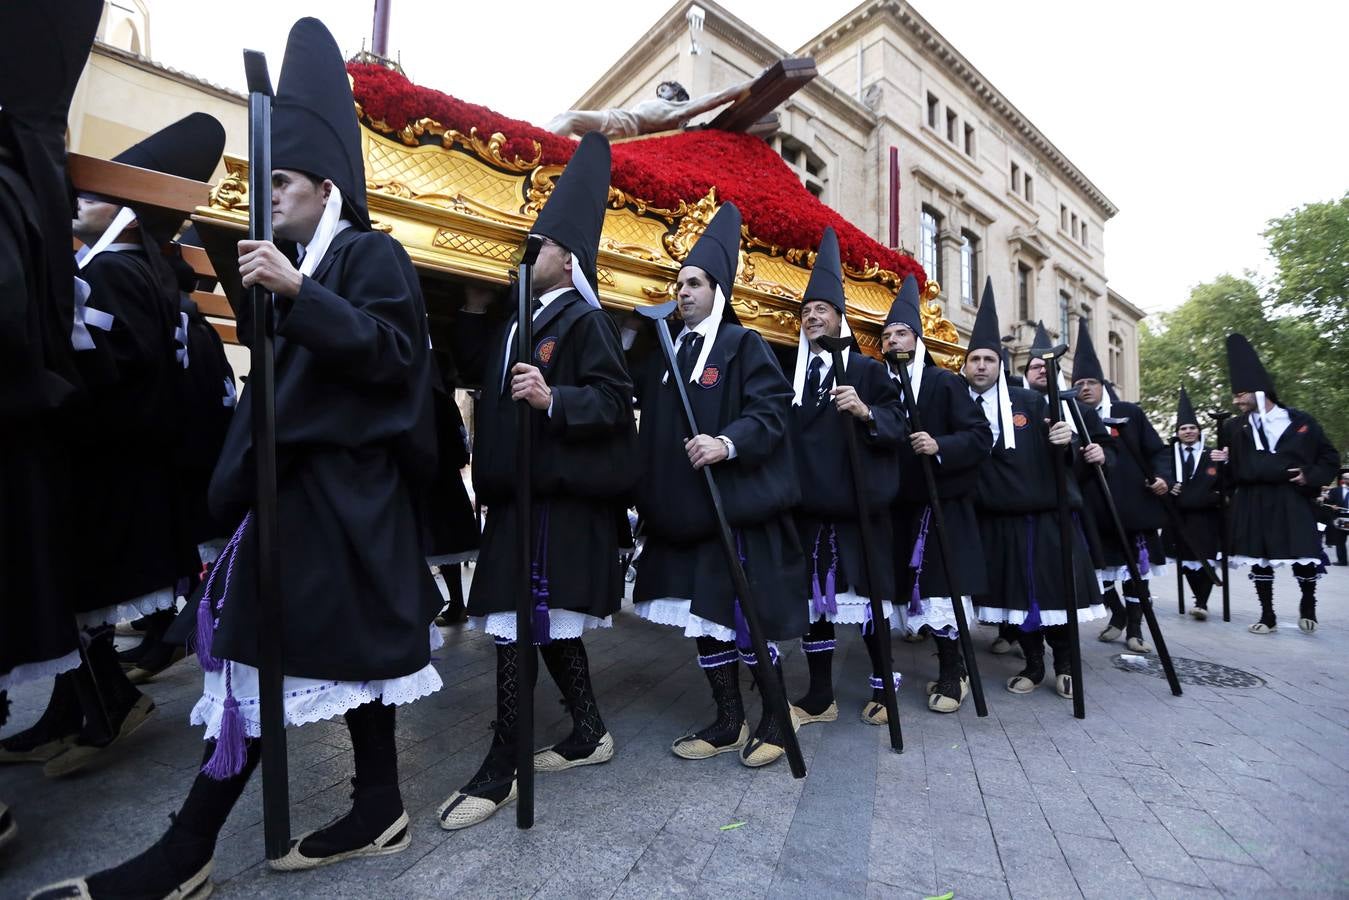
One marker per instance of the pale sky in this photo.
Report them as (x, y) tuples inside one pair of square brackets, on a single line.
[(1201, 120)]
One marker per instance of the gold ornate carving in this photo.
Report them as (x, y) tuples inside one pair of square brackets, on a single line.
[(541, 183), (488, 149), (750, 309), (930, 315), (446, 239), (232, 191), (692, 223)]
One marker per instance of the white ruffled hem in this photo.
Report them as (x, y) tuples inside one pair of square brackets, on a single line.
[(1047, 616), (164, 598), (1238, 561), (308, 699), (1121, 573), (210, 551), (853, 609), (1194, 565), (937, 613), (450, 559), (34, 671), (562, 624), (677, 612)]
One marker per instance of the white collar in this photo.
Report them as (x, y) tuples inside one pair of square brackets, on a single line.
[(549, 297), (803, 351)]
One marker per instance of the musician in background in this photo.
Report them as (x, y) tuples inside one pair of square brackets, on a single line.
[(1337, 532)]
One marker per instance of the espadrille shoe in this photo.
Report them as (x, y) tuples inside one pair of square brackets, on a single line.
[(394, 839), (1137, 645), (554, 760), (77, 755), (1020, 684), (690, 746), (1000, 646), (196, 887), (1109, 633), (464, 810), (830, 714), (875, 713), (1199, 612), (758, 752), (1063, 686), (939, 702)]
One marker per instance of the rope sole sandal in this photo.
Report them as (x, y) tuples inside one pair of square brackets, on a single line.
[(39, 752), (464, 810), (874, 713), (77, 756), (1307, 625), (1262, 628), (802, 717), (197, 887), (690, 746), (550, 760), (1063, 686), (394, 839), (1109, 633), (1020, 684), (759, 753), (940, 703), (1198, 612)]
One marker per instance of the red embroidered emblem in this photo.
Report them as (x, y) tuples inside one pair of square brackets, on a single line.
[(1212, 470), (1114, 432), (1302, 429), (710, 377), (1020, 420), (543, 353)]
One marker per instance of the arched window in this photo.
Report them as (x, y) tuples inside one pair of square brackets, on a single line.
[(1116, 357), (929, 254)]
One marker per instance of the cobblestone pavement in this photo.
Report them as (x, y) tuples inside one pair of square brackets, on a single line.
[(1238, 791)]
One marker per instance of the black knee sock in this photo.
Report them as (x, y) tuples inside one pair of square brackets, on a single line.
[(61, 718), (372, 745), (1138, 592), (1061, 644), (1033, 647), (1201, 586), (493, 778), (951, 668), (720, 662), (1263, 578), (1110, 597), (1306, 579), (872, 640), (377, 802), (567, 663), (818, 645), (209, 801)]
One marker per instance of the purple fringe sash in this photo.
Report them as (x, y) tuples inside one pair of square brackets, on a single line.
[(824, 602), (916, 562), (539, 583), (231, 750), (1141, 543), (1032, 621), (742, 638)]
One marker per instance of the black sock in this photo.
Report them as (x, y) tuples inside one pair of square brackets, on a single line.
[(1200, 584), (720, 662), (1061, 645), (570, 668), (872, 640), (818, 646), (1033, 647), (1263, 578), (951, 668), (61, 718), (494, 777), (1306, 576)]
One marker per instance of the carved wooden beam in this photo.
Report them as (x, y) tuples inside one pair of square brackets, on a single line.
[(133, 185), (778, 82)]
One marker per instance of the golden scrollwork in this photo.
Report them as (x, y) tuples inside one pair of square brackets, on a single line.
[(637, 251), (930, 315), (619, 199), (488, 149), (691, 226), (541, 183), (753, 309), (232, 191)]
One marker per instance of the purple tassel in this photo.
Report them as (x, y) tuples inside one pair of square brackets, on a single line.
[(741, 628), (816, 597), (1142, 555), (231, 751), (539, 577), (830, 595), (204, 639), (1032, 621), (205, 636), (542, 634), (916, 563)]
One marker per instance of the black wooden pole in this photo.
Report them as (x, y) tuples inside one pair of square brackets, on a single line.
[(1225, 492), (901, 361), (524, 511), (1180, 568), (871, 556), (775, 693), (262, 384), (1067, 545)]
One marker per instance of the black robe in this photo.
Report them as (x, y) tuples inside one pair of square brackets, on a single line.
[(584, 458), (1017, 505), (128, 527), (451, 529), (743, 395), (1140, 510), (1271, 517), (204, 405), (963, 441), (355, 448), (1199, 507), (36, 574), (819, 444)]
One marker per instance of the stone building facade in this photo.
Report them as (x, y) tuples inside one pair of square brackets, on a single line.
[(979, 189)]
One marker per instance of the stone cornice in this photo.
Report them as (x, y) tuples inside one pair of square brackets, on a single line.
[(956, 65), (148, 65)]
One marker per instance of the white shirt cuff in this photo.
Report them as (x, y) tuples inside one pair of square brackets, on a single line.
[(730, 445)]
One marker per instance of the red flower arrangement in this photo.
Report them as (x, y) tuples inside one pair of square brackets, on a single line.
[(775, 206)]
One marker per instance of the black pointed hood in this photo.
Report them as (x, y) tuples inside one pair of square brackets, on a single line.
[(905, 308), (986, 334), (1185, 411), (573, 214), (717, 250), (826, 276), (1244, 368), (189, 148), (45, 52), (314, 127), (1041, 339), (1085, 362)]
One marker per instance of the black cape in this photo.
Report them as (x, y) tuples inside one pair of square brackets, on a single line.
[(355, 449), (964, 441), (819, 445), (1199, 506), (584, 457), (743, 395), (1271, 517), (1140, 510)]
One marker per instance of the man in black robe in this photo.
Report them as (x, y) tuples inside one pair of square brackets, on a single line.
[(958, 440), (583, 462), (740, 400), (355, 443), (1017, 504), (1137, 491), (1337, 498), (1198, 500), (838, 587), (1277, 458)]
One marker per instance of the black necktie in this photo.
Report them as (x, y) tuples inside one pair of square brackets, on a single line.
[(1189, 463), (688, 354), (813, 382)]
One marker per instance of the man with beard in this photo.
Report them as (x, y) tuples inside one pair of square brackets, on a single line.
[(839, 588), (1278, 457), (740, 402), (958, 440), (1017, 504), (1198, 500)]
